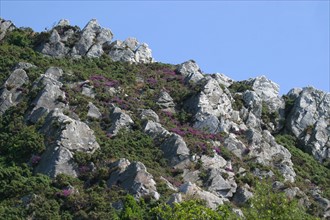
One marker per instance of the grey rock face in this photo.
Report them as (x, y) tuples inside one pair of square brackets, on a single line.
[(212, 201), (242, 195), (148, 114), (208, 105), (222, 79), (24, 66), (93, 111), (119, 120), (191, 71), (165, 101), (130, 51), (5, 26), (55, 47), (134, 178), (173, 145), (269, 153), (309, 122), (253, 102), (10, 92), (66, 40), (92, 37), (50, 97), (63, 137), (268, 92)]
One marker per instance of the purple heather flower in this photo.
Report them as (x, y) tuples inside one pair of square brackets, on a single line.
[(35, 159)]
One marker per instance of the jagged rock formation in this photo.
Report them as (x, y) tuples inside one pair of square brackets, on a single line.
[(119, 120), (64, 137), (130, 50), (11, 91), (92, 41), (50, 97), (173, 145), (309, 121), (134, 178), (211, 143), (5, 27)]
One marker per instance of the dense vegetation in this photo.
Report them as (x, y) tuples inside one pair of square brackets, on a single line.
[(25, 194)]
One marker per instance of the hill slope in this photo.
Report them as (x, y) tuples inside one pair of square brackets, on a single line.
[(87, 124)]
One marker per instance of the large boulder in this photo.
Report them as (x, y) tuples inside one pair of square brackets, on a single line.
[(174, 147), (309, 122), (130, 51), (5, 27), (119, 120), (191, 71), (212, 201), (165, 101), (209, 104), (63, 137), (50, 97), (272, 105), (267, 152), (11, 92), (134, 178), (91, 41), (66, 40)]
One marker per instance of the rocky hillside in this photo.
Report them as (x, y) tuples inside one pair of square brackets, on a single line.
[(92, 128)]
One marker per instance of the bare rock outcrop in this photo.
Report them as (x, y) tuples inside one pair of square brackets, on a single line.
[(5, 27), (11, 92), (191, 71), (63, 137), (173, 145), (309, 121), (50, 97), (134, 178), (130, 50)]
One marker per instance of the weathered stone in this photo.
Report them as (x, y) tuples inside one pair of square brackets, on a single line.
[(223, 79), (242, 195), (130, 51), (165, 101), (253, 102), (5, 26), (134, 178), (119, 120), (63, 23), (92, 37), (63, 137), (88, 90), (268, 92), (24, 66), (309, 122), (173, 145), (191, 71), (50, 97), (11, 91), (148, 114), (55, 47), (212, 201), (219, 186), (175, 198), (175, 149), (168, 184), (93, 111)]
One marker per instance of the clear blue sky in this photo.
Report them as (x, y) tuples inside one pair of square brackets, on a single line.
[(288, 41)]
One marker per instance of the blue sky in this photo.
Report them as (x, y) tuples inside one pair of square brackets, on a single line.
[(287, 41)]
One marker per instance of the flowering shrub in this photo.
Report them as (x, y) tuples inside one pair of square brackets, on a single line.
[(35, 159), (64, 193)]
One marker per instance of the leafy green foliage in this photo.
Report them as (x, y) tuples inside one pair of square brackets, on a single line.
[(267, 204), (306, 167)]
